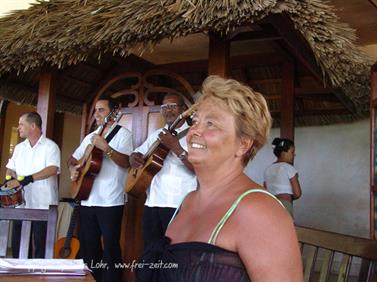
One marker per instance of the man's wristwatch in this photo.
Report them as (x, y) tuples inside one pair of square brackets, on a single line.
[(109, 152), (182, 155)]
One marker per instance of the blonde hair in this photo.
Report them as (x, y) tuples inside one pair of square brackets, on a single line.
[(252, 117)]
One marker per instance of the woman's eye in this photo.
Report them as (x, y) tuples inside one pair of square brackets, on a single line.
[(210, 123)]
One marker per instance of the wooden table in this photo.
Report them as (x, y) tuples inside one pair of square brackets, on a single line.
[(46, 278)]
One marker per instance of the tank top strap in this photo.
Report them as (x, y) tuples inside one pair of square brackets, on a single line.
[(220, 224)]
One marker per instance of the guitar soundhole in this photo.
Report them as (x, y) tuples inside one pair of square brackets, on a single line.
[(65, 252)]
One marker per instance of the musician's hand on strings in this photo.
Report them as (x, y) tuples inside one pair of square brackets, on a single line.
[(137, 160), (169, 140), (74, 171), (99, 142)]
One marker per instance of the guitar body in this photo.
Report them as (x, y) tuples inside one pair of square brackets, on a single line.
[(68, 247), (90, 165), (70, 252), (138, 180)]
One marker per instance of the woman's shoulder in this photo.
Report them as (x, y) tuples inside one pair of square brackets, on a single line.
[(258, 204), (278, 166)]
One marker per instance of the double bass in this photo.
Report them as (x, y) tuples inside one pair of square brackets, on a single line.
[(139, 179), (90, 164)]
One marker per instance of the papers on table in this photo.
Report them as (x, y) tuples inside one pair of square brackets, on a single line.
[(42, 266)]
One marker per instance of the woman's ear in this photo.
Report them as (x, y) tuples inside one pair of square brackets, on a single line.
[(245, 146)]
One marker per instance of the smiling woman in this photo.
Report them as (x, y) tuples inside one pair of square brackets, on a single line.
[(233, 221)]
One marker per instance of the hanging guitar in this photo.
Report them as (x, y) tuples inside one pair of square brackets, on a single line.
[(139, 179), (68, 247), (90, 163)]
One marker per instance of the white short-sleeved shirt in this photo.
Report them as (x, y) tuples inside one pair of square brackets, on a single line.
[(27, 160), (174, 180), (277, 178), (108, 186)]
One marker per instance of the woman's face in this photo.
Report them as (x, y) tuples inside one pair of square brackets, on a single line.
[(289, 156), (212, 138)]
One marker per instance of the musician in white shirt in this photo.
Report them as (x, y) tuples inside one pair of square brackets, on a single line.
[(34, 164), (175, 179), (101, 214)]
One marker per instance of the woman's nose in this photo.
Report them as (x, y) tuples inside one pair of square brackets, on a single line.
[(196, 129)]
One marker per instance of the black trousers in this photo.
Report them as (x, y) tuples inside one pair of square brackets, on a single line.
[(38, 233), (155, 223), (94, 223)]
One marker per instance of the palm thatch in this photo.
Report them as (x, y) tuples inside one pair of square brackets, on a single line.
[(65, 32)]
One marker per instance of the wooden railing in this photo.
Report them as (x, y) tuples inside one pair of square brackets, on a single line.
[(319, 249)]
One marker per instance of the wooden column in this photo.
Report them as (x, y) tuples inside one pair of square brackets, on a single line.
[(373, 152), (3, 111), (287, 99), (218, 57), (46, 100), (84, 121), (58, 129)]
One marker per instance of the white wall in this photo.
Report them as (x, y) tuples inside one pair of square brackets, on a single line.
[(333, 166)]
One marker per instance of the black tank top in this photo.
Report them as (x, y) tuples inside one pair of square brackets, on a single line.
[(193, 261)]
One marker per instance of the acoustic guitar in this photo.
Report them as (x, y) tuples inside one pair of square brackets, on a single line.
[(90, 164), (68, 247), (139, 179)]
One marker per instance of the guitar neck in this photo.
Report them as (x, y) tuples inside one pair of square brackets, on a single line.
[(171, 129), (152, 149), (71, 227)]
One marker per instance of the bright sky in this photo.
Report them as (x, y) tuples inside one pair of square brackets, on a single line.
[(9, 5)]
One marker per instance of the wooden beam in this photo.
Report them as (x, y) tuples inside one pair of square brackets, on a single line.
[(84, 119), (218, 57), (295, 43), (3, 111), (374, 82), (47, 100), (276, 114), (319, 112), (236, 62), (66, 99), (347, 103), (322, 97), (80, 82), (313, 91), (58, 129), (257, 35), (373, 153), (287, 102)]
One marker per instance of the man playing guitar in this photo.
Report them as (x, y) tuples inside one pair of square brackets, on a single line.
[(176, 177), (101, 214)]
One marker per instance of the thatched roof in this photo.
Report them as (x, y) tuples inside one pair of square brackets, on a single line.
[(64, 32)]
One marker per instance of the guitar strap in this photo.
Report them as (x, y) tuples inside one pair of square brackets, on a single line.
[(112, 133)]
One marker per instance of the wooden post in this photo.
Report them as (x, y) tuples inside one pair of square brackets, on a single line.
[(287, 102), (46, 100), (3, 111), (218, 57), (84, 121), (58, 129), (373, 152)]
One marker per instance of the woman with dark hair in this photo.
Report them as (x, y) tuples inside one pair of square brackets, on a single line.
[(281, 178)]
